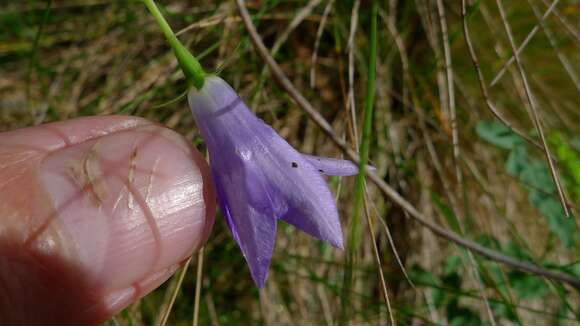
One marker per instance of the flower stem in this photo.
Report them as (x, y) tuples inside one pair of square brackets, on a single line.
[(188, 63), (354, 236)]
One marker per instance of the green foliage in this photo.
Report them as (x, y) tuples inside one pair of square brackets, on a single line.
[(498, 134), (534, 175), (525, 286), (448, 293), (354, 236), (457, 313), (447, 212), (569, 163)]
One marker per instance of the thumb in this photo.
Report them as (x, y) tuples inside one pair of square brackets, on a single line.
[(94, 214)]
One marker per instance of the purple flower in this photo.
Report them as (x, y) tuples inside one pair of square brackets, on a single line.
[(260, 178)]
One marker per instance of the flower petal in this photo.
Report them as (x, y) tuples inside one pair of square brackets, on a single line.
[(310, 205), (247, 208), (259, 177), (298, 193), (332, 166)]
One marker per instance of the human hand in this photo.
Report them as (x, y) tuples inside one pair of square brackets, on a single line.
[(94, 214)]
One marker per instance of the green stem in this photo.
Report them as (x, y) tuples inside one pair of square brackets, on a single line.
[(368, 119), (354, 236), (188, 63)]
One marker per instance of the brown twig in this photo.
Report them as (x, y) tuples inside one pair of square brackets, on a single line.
[(198, 283), (483, 86), (532, 105), (552, 40), (524, 44), (377, 257), (300, 16), (174, 293), (319, 33), (389, 192), (350, 46), (450, 90), (564, 23), (455, 142)]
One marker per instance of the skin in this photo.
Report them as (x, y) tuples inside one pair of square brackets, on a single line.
[(94, 214)]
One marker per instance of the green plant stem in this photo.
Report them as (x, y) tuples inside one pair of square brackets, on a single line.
[(354, 236), (34, 52), (367, 124), (188, 63)]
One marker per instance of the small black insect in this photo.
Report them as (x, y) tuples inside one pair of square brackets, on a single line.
[(294, 164)]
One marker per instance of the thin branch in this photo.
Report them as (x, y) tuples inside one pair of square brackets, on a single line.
[(394, 247), (175, 292), (361, 189), (536, 118), (563, 59), (223, 18), (431, 149), (301, 15), (524, 44), (198, 283), (450, 90), (317, 42), (432, 30), (454, 205), (564, 22), (389, 192), (455, 143), (350, 49), (483, 85), (378, 258), (401, 47)]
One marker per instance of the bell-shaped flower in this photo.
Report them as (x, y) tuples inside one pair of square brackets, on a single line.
[(260, 178)]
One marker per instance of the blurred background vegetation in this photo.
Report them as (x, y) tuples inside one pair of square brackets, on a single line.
[(70, 58)]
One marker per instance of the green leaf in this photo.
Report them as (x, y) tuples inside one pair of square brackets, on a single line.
[(569, 162), (421, 276), (527, 286), (517, 160), (498, 134), (472, 9), (438, 296), (536, 175), (537, 197), (447, 212), (463, 317), (488, 240), (452, 265), (558, 223), (500, 309), (515, 250)]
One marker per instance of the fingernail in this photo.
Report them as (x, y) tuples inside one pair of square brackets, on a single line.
[(117, 300), (129, 204)]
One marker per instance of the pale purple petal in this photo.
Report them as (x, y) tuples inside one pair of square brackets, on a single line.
[(310, 204), (259, 177), (332, 166), (249, 217)]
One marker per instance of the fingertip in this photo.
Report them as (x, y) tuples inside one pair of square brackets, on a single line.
[(128, 200), (110, 205), (132, 202)]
